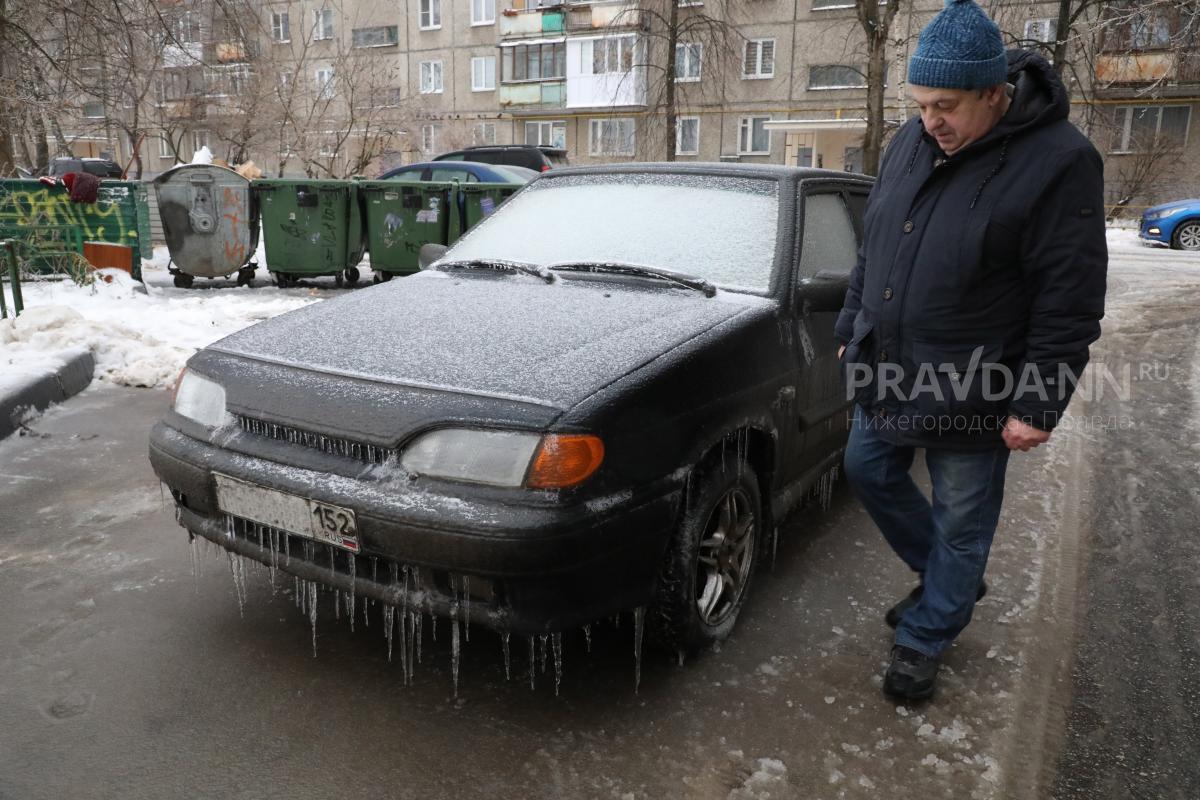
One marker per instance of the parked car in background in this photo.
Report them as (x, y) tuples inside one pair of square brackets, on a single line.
[(462, 171), (102, 168), (554, 429), (1176, 224), (536, 158)]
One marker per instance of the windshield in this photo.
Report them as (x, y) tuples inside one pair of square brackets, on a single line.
[(719, 228)]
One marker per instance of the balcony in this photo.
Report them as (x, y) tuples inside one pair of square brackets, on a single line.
[(535, 22), (1135, 67), (601, 17), (533, 95)]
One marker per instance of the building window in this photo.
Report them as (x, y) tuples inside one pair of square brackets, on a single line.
[(323, 24), (186, 27), (324, 83), (836, 76), (285, 84), (483, 12), (824, 4), (687, 136), (753, 137), (759, 59), (428, 138), (383, 36), (611, 137), (281, 27), (93, 110), (431, 14), (199, 139), (483, 133), (164, 147), (546, 134), (483, 73), (1137, 129), (534, 62), (687, 61), (431, 77), (612, 55), (1041, 30)]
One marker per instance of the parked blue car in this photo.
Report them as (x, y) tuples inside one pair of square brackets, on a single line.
[(462, 171), (1176, 224)]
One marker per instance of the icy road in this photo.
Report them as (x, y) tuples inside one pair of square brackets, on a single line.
[(126, 674)]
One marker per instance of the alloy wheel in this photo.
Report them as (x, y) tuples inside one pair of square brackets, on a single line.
[(725, 555)]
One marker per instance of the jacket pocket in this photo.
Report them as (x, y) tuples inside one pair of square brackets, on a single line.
[(858, 361), (957, 380)]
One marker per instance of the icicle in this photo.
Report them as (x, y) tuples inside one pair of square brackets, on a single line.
[(532, 661), (556, 644), (195, 563), (228, 526), (374, 569), (238, 570), (420, 621), (332, 562), (455, 646), (433, 625), (639, 615), (587, 636), (774, 547), (507, 656), (543, 640), (274, 558), (259, 528), (388, 613), (405, 648), (337, 605), (296, 590), (467, 609), (312, 613), (287, 550), (352, 568)]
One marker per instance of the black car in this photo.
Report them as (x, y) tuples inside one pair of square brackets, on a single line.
[(536, 158), (102, 168), (547, 429)]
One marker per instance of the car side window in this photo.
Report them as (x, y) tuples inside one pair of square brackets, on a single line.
[(829, 243), (460, 175), (858, 209)]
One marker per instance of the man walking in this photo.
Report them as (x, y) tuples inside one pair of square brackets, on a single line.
[(979, 286)]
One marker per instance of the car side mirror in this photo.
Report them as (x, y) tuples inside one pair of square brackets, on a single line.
[(430, 253), (825, 291)]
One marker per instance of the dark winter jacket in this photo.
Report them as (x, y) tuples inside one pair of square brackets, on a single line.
[(980, 282)]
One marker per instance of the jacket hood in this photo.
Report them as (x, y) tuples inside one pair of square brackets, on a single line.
[(1040, 97)]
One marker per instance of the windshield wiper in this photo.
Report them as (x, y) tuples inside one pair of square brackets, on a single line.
[(621, 268), (498, 264)]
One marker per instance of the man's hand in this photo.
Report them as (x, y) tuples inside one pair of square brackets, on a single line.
[(1019, 436)]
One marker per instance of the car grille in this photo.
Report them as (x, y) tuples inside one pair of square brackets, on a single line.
[(333, 445)]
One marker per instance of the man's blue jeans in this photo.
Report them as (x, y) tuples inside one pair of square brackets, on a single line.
[(946, 541)]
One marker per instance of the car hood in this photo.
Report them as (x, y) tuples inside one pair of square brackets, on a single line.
[(1175, 204), (507, 337)]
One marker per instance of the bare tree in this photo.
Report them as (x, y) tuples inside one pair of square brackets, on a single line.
[(876, 19)]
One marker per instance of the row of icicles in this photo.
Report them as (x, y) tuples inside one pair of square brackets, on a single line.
[(404, 624)]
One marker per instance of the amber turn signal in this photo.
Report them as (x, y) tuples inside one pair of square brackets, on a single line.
[(564, 460)]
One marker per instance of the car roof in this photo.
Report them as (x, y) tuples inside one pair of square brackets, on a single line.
[(714, 168)]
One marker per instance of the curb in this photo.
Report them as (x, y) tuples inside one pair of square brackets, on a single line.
[(68, 379)]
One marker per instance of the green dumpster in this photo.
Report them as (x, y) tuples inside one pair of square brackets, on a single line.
[(51, 230), (475, 201), (401, 216), (310, 228)]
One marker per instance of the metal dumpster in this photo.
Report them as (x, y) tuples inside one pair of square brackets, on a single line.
[(401, 216), (311, 228), (210, 221), (473, 202), (51, 230)]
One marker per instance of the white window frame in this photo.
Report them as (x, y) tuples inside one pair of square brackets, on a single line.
[(746, 135), (679, 151), (323, 83), (429, 14), (199, 139), (281, 27), (93, 104), (487, 12), (1034, 27), (186, 28), (758, 74), (429, 139), (596, 146), (164, 147), (545, 133), (431, 77), (836, 86), (322, 24), (482, 84), (684, 52), (357, 36), (625, 42), (483, 133), (1126, 145)]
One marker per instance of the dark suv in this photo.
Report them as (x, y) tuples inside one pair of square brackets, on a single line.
[(529, 156), (100, 167)]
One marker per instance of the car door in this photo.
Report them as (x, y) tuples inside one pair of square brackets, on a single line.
[(828, 251)]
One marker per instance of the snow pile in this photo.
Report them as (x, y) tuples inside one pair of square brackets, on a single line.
[(139, 336), (767, 782)]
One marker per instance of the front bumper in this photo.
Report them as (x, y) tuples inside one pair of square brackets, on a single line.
[(529, 568), (1153, 231)]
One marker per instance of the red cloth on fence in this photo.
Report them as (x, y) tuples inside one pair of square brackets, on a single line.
[(85, 188)]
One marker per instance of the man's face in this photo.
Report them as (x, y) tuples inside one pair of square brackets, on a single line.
[(957, 117)]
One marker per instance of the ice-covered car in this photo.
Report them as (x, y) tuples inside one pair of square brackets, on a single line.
[(603, 397), (1176, 224)]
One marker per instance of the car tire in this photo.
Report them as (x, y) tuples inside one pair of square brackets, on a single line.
[(706, 573), (1186, 235), (183, 280)]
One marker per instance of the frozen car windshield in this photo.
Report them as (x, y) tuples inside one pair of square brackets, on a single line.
[(719, 228)]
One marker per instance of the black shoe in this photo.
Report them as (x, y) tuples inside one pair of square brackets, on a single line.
[(893, 615), (911, 675)]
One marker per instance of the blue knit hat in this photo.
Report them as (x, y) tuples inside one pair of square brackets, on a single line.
[(960, 48)]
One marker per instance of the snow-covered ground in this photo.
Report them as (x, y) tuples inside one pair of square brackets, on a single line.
[(140, 336)]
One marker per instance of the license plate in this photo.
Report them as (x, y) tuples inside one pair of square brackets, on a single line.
[(288, 512)]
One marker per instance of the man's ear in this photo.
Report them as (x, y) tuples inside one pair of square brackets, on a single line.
[(994, 95)]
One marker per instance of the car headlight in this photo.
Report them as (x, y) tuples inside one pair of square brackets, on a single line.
[(505, 458), (1169, 212), (200, 399)]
